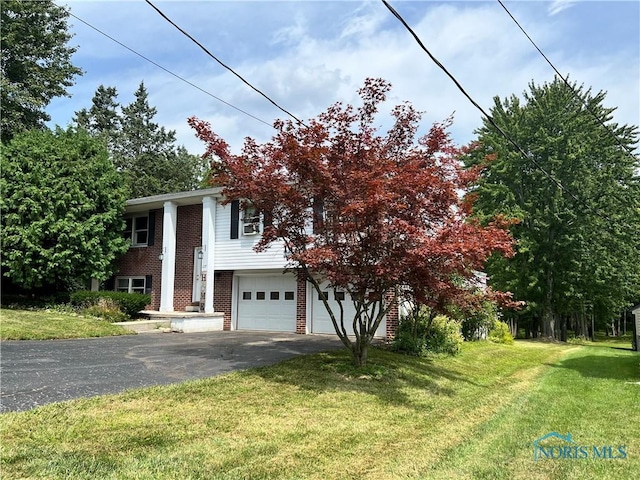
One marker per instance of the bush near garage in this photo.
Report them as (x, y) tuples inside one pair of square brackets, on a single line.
[(419, 334), (129, 303)]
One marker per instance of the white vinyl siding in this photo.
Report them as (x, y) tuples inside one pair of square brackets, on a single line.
[(238, 253)]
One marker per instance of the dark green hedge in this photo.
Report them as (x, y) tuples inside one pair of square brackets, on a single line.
[(129, 303)]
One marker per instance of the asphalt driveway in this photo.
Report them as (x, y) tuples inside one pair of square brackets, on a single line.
[(35, 373)]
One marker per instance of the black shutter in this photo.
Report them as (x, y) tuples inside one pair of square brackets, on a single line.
[(151, 237), (110, 284), (318, 214), (235, 218), (148, 284), (267, 219)]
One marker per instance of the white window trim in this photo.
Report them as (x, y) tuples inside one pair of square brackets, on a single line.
[(250, 223), (134, 231), (130, 280)]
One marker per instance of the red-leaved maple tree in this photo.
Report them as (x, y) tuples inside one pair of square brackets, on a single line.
[(377, 216)]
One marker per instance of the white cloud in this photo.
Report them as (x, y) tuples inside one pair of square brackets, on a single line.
[(558, 6), (308, 55)]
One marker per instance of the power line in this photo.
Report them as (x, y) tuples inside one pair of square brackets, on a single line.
[(169, 71), (488, 117), (223, 64), (575, 94)]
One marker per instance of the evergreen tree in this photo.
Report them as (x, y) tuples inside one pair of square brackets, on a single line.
[(102, 119), (147, 155), (142, 151)]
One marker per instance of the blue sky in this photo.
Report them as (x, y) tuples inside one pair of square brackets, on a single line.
[(306, 55)]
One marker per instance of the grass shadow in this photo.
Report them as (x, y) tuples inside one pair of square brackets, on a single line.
[(388, 376), (612, 367)]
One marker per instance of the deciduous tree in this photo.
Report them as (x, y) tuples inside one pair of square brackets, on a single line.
[(36, 62), (577, 196), (374, 215)]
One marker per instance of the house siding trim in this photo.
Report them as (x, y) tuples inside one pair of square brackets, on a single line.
[(169, 224), (208, 247)]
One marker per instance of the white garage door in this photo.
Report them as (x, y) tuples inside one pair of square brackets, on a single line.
[(267, 303), (320, 319)]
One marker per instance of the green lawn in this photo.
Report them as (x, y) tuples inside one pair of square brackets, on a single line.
[(46, 325), (471, 416)]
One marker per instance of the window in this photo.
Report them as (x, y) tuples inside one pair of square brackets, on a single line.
[(288, 295), (137, 230), (260, 295), (339, 296), (274, 296), (250, 220), (323, 295), (246, 295), (131, 284)]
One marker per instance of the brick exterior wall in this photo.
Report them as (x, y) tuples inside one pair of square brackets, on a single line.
[(392, 319), (301, 305), (222, 295), (188, 238), (143, 261)]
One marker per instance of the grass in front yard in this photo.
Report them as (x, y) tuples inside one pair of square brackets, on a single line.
[(46, 325), (470, 416)]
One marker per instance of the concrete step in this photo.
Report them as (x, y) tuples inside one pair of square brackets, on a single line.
[(147, 326)]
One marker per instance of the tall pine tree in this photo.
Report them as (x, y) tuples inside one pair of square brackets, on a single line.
[(142, 151)]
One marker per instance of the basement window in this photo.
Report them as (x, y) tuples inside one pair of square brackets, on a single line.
[(131, 284)]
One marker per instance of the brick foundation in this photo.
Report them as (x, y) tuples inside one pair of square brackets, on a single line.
[(222, 295), (301, 305)]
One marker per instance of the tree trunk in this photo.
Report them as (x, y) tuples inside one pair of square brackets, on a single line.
[(360, 350)]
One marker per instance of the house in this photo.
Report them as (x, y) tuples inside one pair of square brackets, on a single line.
[(191, 252)]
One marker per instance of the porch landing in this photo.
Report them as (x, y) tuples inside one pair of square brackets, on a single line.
[(182, 322)]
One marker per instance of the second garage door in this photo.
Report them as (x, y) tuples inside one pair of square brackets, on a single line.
[(321, 321), (267, 303)]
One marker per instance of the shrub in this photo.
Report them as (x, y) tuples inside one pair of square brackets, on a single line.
[(129, 303), (418, 335), (476, 325), (106, 309), (443, 336), (34, 300), (500, 333)]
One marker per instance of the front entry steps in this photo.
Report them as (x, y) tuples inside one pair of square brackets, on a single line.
[(194, 307), (181, 322)]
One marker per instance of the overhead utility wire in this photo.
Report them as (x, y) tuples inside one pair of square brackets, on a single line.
[(575, 94), (223, 64), (488, 117), (169, 71)]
